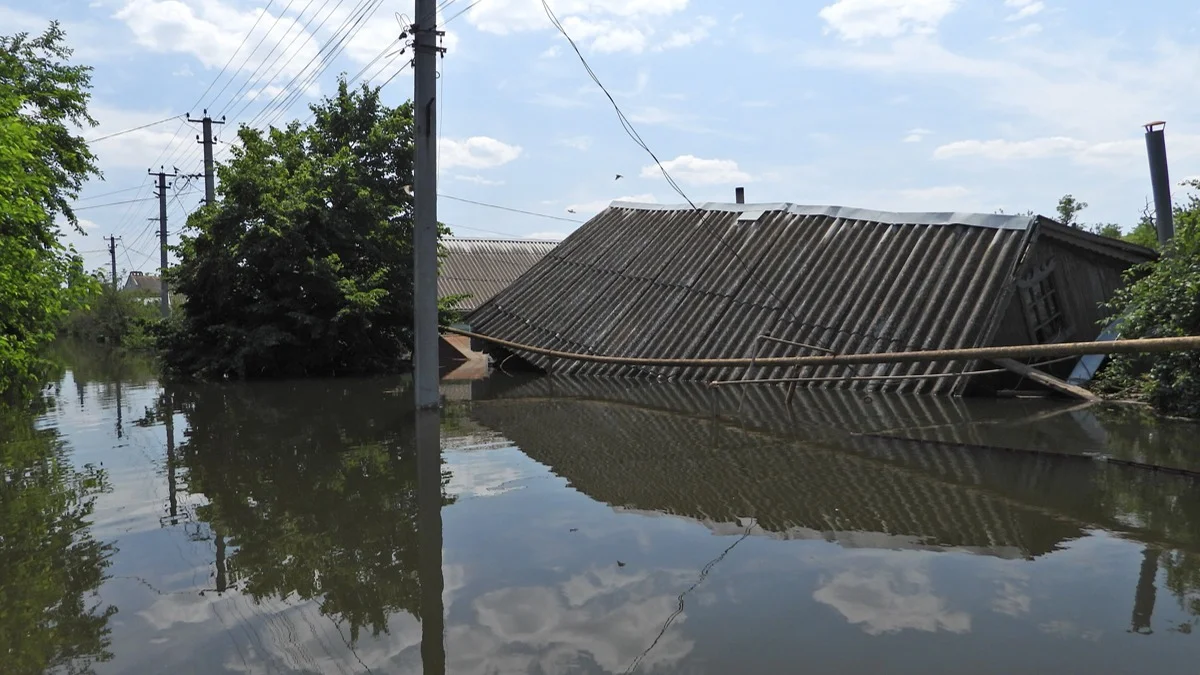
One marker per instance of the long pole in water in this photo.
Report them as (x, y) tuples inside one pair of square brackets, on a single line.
[(425, 324)]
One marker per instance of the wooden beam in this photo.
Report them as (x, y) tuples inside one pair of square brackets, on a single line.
[(1045, 380)]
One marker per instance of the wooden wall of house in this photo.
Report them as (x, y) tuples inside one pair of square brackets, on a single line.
[(1084, 281)]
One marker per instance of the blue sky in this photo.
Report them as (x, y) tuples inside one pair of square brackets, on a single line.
[(915, 105)]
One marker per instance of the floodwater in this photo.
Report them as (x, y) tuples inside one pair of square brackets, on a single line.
[(587, 526)]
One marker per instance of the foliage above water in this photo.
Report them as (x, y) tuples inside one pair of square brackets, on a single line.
[(114, 317), (315, 488), (305, 266), (50, 618), (43, 164), (1162, 299)]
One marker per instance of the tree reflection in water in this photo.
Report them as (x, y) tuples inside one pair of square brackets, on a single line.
[(312, 487), (50, 565)]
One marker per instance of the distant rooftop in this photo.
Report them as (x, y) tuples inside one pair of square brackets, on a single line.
[(481, 268)]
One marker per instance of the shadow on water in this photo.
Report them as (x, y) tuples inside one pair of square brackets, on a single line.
[(50, 565)]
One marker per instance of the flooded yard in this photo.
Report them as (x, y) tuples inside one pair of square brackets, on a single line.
[(590, 526)]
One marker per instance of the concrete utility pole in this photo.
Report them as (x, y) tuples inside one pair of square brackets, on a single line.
[(112, 254), (164, 296), (425, 235), (210, 177)]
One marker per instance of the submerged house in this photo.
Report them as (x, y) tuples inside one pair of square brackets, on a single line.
[(659, 281), (147, 287), (474, 270)]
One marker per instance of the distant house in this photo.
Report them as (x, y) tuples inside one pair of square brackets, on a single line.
[(147, 287), (478, 269), (660, 281)]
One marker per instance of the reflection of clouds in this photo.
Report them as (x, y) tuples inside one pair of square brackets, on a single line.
[(604, 616), (484, 473), (893, 598), (1011, 599), (1069, 629)]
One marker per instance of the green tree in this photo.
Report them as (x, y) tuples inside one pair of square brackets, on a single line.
[(1111, 230), (304, 267), (114, 317), (42, 166), (1145, 233), (50, 618), (1162, 299), (1068, 210)]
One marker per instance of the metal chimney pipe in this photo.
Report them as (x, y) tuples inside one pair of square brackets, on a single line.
[(1156, 150), (740, 195)]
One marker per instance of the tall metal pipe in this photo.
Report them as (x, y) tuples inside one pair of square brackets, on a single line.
[(1156, 150), (739, 194)]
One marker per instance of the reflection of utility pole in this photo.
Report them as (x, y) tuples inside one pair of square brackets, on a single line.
[(169, 423), (220, 561), (120, 430), (1143, 599), (429, 525)]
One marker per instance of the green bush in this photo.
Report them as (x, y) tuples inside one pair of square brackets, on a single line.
[(116, 318), (1162, 299)]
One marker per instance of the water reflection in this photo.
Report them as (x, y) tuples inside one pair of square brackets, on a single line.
[(312, 493), (567, 526), (50, 565)]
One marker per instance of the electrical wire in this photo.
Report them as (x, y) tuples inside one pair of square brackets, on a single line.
[(249, 56), (109, 194), (332, 49), (131, 130), (233, 56), (507, 208), (100, 206), (625, 123), (267, 75)]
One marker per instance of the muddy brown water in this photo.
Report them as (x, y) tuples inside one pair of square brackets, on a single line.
[(587, 526)]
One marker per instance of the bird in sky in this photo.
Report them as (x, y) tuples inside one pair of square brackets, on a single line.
[(619, 177)]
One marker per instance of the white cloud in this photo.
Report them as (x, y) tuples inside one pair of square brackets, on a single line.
[(1028, 30), (599, 25), (857, 20), (551, 53), (1025, 8), (916, 135), (547, 236), (478, 180), (382, 30), (1114, 153), (136, 149), (698, 33), (477, 152), (581, 143), (598, 205), (213, 31), (692, 169), (270, 91)]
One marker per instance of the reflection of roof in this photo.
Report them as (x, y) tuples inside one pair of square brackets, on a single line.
[(143, 282), (645, 459), (717, 455), (481, 268)]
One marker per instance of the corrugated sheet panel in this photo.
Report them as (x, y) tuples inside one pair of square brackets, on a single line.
[(659, 281), (481, 268)]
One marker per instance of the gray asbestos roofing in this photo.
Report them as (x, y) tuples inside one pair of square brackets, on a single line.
[(480, 268), (647, 280)]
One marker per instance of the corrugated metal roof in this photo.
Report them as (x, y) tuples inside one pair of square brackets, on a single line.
[(663, 281), (481, 268)]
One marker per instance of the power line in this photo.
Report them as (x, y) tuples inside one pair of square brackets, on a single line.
[(109, 194), (131, 130), (251, 55), (507, 208), (625, 123), (338, 42), (234, 56), (100, 206)]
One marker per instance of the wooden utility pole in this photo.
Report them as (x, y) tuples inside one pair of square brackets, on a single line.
[(425, 228), (112, 255), (164, 297), (210, 178)]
